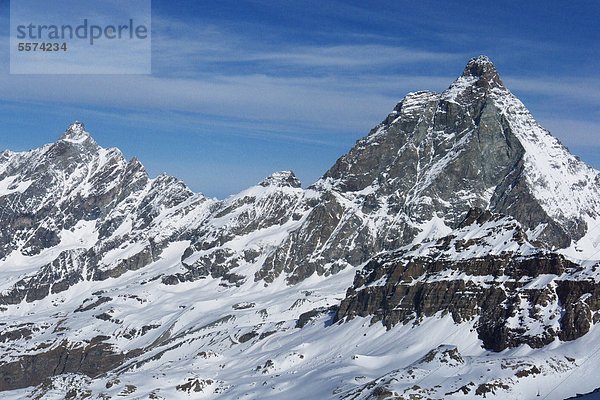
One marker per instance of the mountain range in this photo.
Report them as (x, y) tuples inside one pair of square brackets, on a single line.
[(453, 252)]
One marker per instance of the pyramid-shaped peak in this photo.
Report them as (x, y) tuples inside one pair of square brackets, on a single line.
[(479, 66), (282, 179), (483, 68), (76, 133)]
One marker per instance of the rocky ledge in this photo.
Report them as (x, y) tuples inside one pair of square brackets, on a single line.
[(513, 299)]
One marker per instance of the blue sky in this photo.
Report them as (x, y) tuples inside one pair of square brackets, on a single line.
[(241, 89)]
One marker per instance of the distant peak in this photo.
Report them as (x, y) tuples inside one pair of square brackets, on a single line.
[(483, 69), (479, 66), (282, 179), (76, 133)]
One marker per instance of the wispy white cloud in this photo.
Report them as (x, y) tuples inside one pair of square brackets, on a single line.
[(232, 82), (199, 48), (209, 77), (572, 132), (320, 102), (339, 56), (581, 88), (213, 73)]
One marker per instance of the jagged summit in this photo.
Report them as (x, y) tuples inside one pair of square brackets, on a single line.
[(474, 145), (76, 133), (477, 66), (484, 70), (282, 179)]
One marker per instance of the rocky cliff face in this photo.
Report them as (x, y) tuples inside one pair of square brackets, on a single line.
[(435, 157), (487, 272), (70, 206), (458, 211)]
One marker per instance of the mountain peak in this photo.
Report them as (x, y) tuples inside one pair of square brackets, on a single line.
[(76, 133), (282, 179), (484, 70)]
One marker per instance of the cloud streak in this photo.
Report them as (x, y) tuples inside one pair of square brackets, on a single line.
[(276, 90), (260, 84), (583, 89)]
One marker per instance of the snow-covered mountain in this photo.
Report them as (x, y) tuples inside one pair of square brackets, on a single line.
[(453, 252)]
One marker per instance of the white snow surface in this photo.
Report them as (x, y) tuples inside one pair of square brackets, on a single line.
[(194, 332), (565, 186)]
